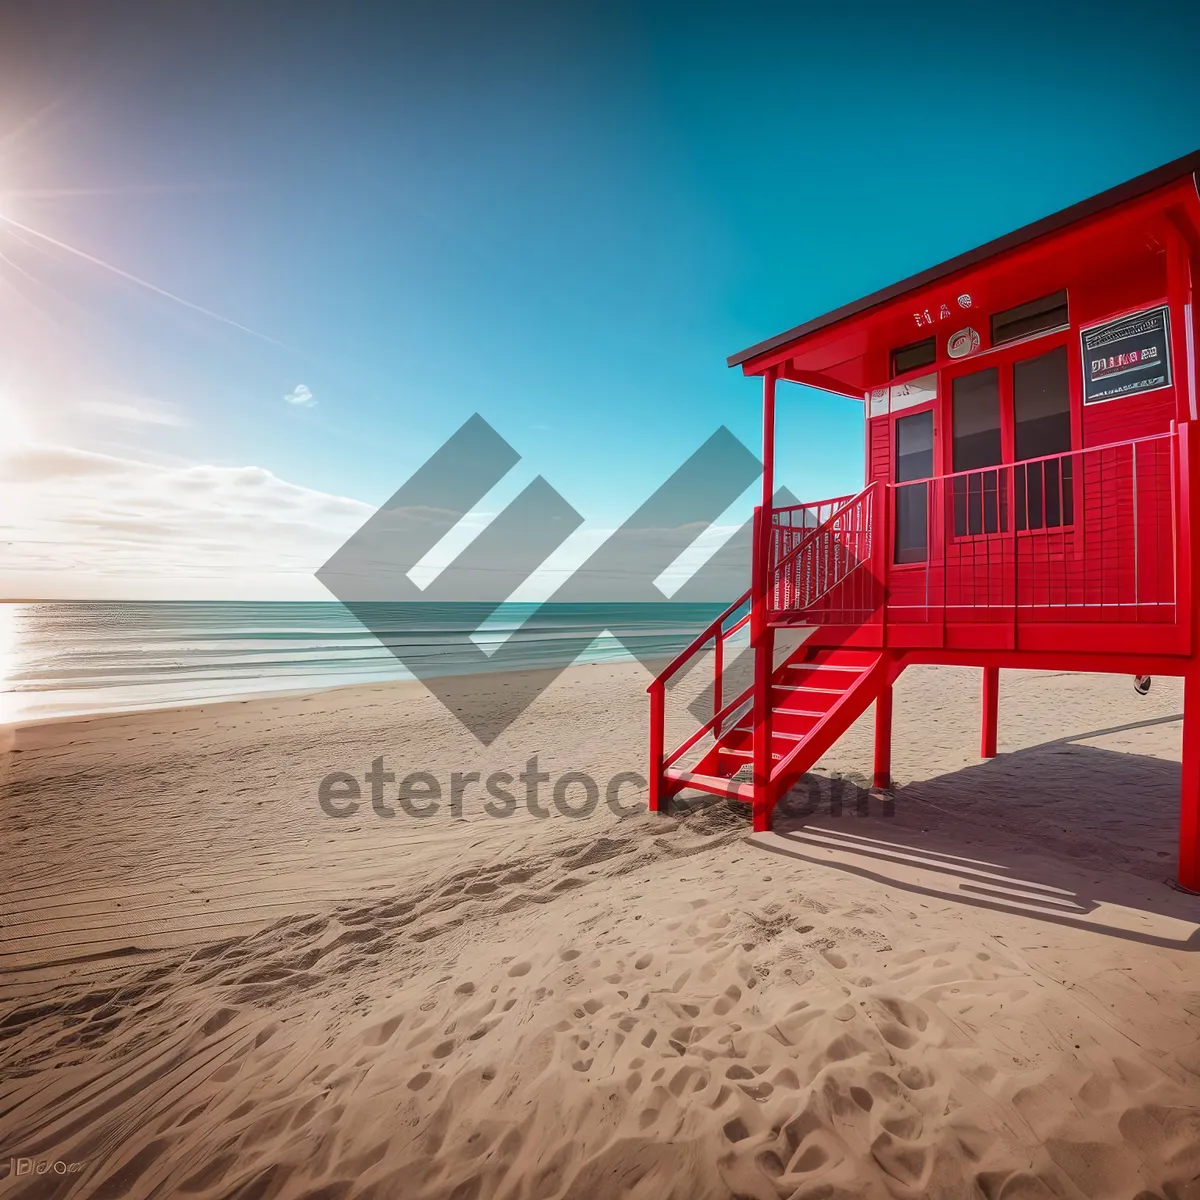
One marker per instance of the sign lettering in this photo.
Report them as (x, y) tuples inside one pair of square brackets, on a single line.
[(1125, 356)]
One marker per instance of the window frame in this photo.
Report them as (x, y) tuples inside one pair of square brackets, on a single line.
[(1037, 333), (1004, 358), (930, 406), (895, 376)]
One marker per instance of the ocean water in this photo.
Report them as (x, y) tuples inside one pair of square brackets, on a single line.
[(66, 658)]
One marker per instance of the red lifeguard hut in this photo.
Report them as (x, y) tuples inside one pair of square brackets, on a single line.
[(1032, 496)]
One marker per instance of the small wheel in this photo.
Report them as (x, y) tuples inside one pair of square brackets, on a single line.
[(1141, 684)]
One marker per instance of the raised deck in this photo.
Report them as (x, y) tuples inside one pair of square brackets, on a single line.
[(1031, 497)]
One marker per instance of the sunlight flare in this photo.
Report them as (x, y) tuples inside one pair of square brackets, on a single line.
[(135, 279)]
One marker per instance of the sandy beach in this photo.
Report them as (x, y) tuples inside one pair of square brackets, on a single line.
[(979, 986)]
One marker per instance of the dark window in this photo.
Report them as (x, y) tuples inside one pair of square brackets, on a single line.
[(1037, 316), (1041, 427), (912, 358), (914, 460), (976, 403), (978, 495)]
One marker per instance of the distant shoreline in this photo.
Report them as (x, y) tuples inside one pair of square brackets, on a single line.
[(78, 658)]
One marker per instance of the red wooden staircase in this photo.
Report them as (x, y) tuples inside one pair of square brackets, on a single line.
[(815, 697), (808, 701)]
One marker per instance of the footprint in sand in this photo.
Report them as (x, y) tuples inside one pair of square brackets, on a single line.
[(736, 1130), (896, 1035), (227, 1072), (770, 1164), (683, 1076), (915, 1078), (842, 1048), (218, 1021), (724, 1003), (383, 1033), (811, 1158), (681, 1037), (519, 968), (902, 1160), (907, 1126)]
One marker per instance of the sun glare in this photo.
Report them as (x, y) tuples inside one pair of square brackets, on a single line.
[(15, 427)]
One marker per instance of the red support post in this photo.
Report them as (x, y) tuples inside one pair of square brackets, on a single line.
[(883, 738), (1179, 297), (658, 713), (1182, 533), (761, 633), (991, 709), (1189, 536), (1189, 811), (718, 673), (881, 551)]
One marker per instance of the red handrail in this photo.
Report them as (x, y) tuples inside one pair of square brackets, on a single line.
[(712, 721), (815, 504), (1031, 462), (715, 632), (701, 638), (816, 529)]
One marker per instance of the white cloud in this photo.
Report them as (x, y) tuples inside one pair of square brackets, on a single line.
[(89, 525), (301, 397), (83, 524)]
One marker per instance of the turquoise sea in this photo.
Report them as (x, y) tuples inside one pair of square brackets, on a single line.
[(60, 658)]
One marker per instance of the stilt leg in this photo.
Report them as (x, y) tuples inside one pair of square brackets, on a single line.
[(659, 800), (883, 738), (1189, 813), (761, 746), (991, 707)]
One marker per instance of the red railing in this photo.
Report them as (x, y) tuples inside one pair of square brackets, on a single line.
[(1089, 535), (792, 524), (718, 633), (829, 573)]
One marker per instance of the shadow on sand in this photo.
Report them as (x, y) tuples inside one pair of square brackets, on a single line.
[(1064, 832)]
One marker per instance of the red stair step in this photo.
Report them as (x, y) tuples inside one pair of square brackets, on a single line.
[(745, 753), (713, 784)]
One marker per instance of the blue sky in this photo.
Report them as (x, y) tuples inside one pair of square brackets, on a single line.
[(563, 217)]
